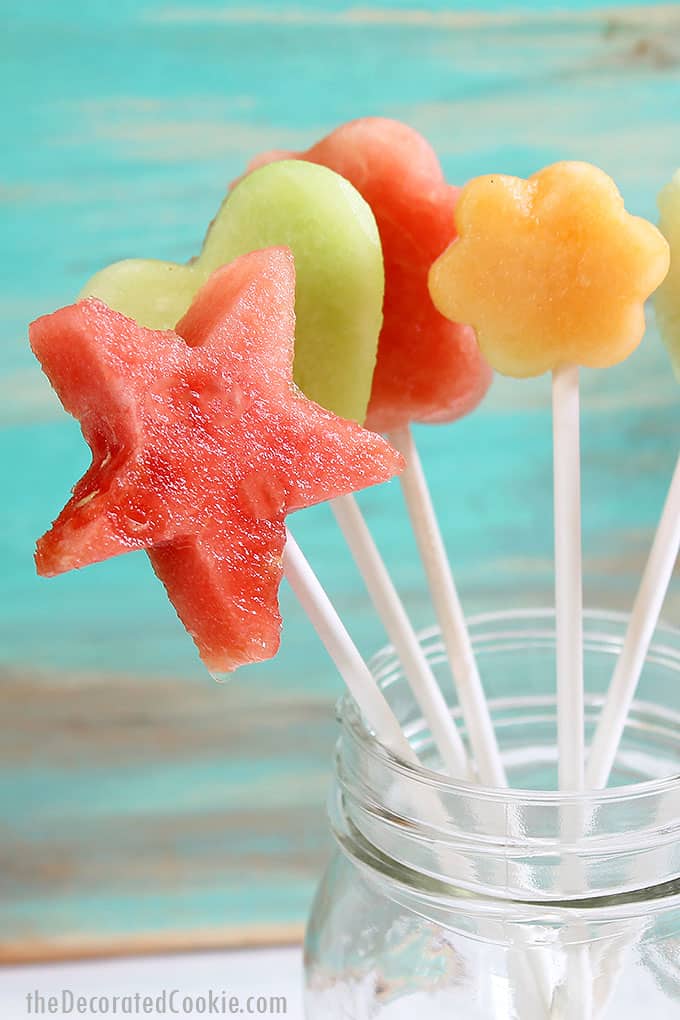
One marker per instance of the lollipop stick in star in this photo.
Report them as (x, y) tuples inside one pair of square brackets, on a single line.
[(552, 273), (164, 414)]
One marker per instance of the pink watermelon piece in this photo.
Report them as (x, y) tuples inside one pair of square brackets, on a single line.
[(428, 369), (201, 444)]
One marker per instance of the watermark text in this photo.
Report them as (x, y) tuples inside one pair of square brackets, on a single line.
[(169, 1002)]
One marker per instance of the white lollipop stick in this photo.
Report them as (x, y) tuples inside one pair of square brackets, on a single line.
[(644, 618), (643, 621), (400, 631), (577, 991), (568, 578), (449, 613), (360, 681), (342, 650)]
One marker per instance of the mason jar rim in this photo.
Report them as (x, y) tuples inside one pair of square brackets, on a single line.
[(521, 845), (350, 715)]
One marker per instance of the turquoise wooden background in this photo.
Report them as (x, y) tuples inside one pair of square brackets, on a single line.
[(141, 804)]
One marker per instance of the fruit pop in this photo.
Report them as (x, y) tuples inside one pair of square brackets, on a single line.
[(429, 369), (201, 445), (552, 273), (664, 552), (333, 236)]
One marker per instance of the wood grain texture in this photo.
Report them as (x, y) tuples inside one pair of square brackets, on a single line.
[(139, 801)]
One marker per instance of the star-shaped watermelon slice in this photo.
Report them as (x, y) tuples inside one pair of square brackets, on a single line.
[(201, 444)]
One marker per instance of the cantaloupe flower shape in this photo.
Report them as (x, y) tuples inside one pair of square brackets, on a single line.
[(550, 271), (668, 298)]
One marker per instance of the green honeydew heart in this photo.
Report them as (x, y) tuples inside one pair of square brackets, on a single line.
[(339, 275)]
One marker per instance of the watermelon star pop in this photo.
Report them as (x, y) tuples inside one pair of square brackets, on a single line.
[(201, 445), (332, 233), (552, 272), (339, 272), (428, 369)]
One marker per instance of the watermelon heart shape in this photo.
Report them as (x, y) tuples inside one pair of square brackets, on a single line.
[(333, 235)]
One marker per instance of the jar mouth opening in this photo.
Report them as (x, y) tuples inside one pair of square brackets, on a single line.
[(516, 906), (666, 643), (524, 843)]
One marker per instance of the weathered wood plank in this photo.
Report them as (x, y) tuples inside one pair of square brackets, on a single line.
[(141, 812), (140, 804)]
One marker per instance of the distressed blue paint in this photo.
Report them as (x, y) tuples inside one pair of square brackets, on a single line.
[(137, 806)]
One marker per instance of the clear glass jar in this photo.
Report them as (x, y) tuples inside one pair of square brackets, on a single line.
[(449, 900)]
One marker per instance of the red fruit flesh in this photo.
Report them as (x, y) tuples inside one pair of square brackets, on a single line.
[(428, 369), (201, 444)]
